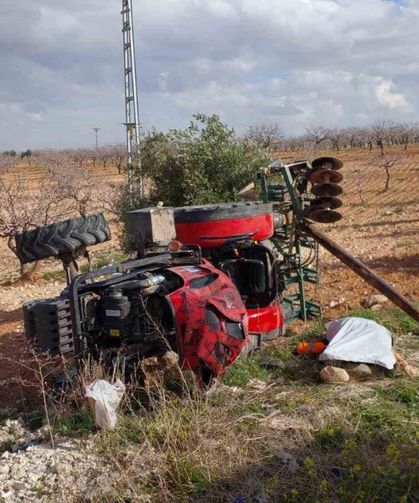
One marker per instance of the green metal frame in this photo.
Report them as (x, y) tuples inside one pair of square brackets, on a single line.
[(297, 306)]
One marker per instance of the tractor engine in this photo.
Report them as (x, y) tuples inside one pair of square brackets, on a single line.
[(131, 312), (188, 307), (112, 314)]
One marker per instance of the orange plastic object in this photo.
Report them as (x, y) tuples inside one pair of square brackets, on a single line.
[(310, 348)]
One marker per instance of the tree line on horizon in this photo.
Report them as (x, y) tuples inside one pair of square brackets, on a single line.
[(268, 136)]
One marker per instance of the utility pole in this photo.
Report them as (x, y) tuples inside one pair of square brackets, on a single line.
[(96, 130), (132, 121)]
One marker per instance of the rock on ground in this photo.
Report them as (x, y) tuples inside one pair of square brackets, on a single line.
[(374, 299), (334, 375), (361, 370)]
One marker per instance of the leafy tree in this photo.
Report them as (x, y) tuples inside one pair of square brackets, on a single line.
[(204, 163), (26, 153)]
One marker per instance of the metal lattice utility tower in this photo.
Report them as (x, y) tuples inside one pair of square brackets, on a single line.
[(132, 121)]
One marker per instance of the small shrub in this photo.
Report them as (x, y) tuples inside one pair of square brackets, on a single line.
[(204, 163)]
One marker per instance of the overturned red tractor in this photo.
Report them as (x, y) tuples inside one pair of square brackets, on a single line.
[(209, 282), (208, 301)]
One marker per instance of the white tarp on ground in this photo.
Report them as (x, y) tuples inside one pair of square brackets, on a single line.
[(359, 340)]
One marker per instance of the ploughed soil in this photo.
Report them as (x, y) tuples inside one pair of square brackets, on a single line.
[(379, 227)]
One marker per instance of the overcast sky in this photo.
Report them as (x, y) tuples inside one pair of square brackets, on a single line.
[(295, 62)]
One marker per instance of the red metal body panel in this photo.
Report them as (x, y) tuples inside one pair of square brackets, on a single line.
[(215, 233), (204, 348), (267, 320)]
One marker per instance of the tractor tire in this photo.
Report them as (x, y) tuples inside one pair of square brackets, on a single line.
[(61, 238)]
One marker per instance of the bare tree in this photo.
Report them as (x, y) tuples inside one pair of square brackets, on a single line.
[(367, 137), (23, 207), (360, 186), (266, 136), (293, 143), (381, 131), (352, 137), (6, 161), (10, 153), (386, 162), (91, 154), (118, 155), (63, 189), (335, 136), (104, 154), (316, 135), (75, 181), (405, 133), (109, 197), (77, 155), (361, 180)]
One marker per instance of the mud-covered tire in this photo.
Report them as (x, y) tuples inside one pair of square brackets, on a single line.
[(62, 237)]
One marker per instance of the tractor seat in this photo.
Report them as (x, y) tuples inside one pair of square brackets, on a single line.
[(248, 275)]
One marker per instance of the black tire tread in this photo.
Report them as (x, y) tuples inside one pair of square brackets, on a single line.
[(62, 237)]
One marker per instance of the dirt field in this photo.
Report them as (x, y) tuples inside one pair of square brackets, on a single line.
[(383, 231)]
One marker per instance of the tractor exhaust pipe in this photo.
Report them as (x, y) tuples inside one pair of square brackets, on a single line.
[(362, 270)]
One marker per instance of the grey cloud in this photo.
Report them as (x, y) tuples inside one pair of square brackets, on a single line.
[(249, 60)]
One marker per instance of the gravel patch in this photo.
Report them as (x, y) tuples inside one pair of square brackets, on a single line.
[(31, 470)]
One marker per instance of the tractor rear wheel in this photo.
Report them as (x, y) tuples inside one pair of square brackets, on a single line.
[(61, 238)]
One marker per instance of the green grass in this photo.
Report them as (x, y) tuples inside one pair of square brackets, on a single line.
[(34, 419), (74, 424), (243, 408), (401, 391), (316, 331), (193, 479), (281, 353), (246, 369), (332, 435), (6, 446)]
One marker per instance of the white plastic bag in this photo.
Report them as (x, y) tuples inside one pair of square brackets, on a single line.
[(359, 340), (106, 397)]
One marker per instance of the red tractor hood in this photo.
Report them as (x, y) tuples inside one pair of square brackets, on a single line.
[(211, 318)]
